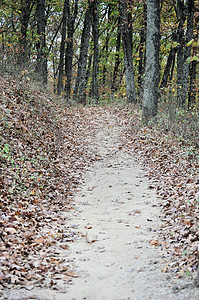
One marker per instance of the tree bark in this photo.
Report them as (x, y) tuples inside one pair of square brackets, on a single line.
[(185, 12), (168, 68), (117, 57), (106, 46), (188, 38), (41, 65), (95, 25), (150, 95), (126, 30), (62, 50), (26, 7), (71, 17), (192, 84), (82, 63), (142, 54)]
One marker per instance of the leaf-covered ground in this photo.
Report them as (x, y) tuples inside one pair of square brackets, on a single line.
[(175, 174), (43, 153)]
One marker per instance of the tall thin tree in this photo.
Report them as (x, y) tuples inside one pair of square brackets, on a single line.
[(114, 84), (62, 51), (41, 65), (72, 11), (24, 17), (150, 95), (142, 54), (126, 29), (95, 26), (185, 16), (82, 62)]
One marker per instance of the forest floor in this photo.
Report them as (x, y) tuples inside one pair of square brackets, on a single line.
[(117, 233)]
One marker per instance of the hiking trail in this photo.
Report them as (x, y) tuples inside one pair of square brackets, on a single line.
[(117, 218)]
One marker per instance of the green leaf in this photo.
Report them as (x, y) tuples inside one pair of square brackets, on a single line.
[(190, 42), (175, 44), (195, 58), (192, 58)]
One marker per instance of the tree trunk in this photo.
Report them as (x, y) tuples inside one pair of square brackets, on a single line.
[(142, 55), (188, 38), (150, 96), (24, 20), (117, 57), (41, 65), (168, 68), (184, 12), (126, 30), (181, 16), (82, 63), (192, 84), (62, 50), (105, 48), (71, 17), (95, 19)]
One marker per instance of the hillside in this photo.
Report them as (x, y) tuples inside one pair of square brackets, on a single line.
[(42, 154)]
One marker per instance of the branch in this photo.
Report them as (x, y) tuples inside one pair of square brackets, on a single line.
[(51, 44)]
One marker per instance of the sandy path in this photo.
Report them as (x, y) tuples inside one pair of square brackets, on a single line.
[(117, 215)]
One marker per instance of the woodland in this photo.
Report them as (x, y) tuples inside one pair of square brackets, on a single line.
[(61, 61)]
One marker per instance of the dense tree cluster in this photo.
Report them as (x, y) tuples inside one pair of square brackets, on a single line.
[(92, 49)]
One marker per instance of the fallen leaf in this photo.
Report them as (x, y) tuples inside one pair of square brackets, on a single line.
[(71, 274), (154, 243)]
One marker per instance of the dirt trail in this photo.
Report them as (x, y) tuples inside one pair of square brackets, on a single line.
[(118, 215)]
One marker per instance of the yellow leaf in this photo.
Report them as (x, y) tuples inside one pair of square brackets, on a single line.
[(165, 269), (154, 243)]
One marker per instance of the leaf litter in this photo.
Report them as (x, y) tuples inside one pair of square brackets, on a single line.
[(45, 148), (175, 176), (43, 154)]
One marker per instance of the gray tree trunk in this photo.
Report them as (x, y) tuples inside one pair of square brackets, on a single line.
[(126, 30), (26, 7), (192, 84), (114, 85), (62, 50), (185, 11), (105, 49), (181, 15), (41, 65), (188, 38), (82, 63), (95, 92), (142, 54), (168, 68), (71, 17), (150, 95)]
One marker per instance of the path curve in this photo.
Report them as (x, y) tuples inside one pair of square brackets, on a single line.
[(116, 217)]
